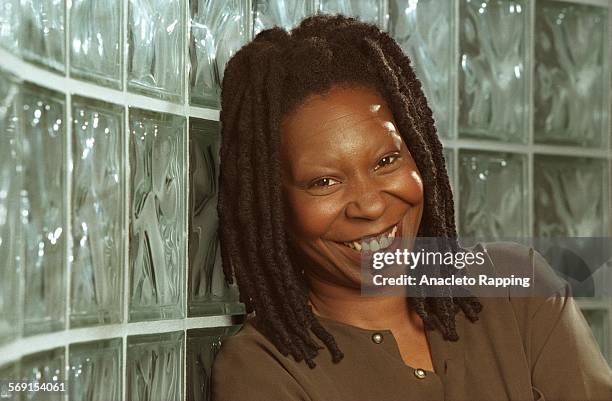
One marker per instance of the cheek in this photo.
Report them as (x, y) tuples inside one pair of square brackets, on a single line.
[(408, 186), (310, 217)]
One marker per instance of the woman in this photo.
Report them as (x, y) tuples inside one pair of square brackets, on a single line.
[(328, 144)]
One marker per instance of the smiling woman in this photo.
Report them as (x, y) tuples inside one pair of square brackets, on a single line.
[(329, 152)]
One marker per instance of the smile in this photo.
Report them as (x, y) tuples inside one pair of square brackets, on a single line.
[(374, 243)]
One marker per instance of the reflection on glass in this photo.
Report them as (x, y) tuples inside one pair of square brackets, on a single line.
[(42, 32), (42, 202), (561, 206), (424, 30), (283, 13), (366, 10), (95, 30), (492, 189), (202, 348), (94, 371), (11, 183), (208, 292), (9, 373), (155, 367), (157, 215), (218, 30), (97, 207), (44, 367), (9, 23), (155, 41), (492, 82), (571, 63)]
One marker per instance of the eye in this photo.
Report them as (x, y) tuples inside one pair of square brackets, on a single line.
[(387, 160), (324, 182)]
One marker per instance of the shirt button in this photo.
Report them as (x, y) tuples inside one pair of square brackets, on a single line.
[(377, 338), (420, 373)]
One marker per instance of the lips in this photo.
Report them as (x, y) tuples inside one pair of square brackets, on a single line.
[(374, 243)]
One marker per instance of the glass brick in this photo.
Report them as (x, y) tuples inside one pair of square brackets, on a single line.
[(284, 13), (9, 372), (493, 92), (97, 212), (202, 348), (11, 184), (155, 42), (492, 193), (598, 321), (9, 21), (94, 371), (95, 40), (42, 33), (155, 367), (218, 30), (157, 215), (571, 64), (570, 196), (208, 291), (365, 10), (424, 30), (43, 205), (44, 367)]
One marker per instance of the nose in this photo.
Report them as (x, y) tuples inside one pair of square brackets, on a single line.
[(366, 201)]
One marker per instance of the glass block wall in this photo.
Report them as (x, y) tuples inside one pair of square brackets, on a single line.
[(110, 277)]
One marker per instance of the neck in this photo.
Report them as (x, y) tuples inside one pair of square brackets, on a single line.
[(347, 305)]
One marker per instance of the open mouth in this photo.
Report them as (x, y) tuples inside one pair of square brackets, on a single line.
[(374, 243)]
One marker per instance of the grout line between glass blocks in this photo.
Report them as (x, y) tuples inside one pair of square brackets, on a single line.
[(125, 232), (67, 194), (29, 345), (528, 193)]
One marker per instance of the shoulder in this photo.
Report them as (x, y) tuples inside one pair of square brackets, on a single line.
[(249, 367)]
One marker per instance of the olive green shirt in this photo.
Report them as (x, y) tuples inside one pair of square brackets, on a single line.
[(521, 348)]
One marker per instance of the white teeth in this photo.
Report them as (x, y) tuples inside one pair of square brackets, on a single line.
[(382, 242)]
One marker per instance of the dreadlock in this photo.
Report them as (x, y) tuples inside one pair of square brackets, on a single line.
[(264, 81)]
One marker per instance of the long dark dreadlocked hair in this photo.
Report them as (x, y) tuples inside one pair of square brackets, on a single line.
[(265, 80)]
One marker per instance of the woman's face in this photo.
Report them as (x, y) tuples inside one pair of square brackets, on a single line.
[(349, 182)]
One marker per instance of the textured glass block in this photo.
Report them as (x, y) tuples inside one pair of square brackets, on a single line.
[(202, 348), (9, 25), (492, 85), (95, 41), (424, 30), (43, 204), (157, 215), (284, 13), (570, 196), (365, 10), (208, 292), (97, 212), (218, 30), (11, 183), (600, 326), (42, 32), (155, 42), (571, 64), (94, 371), (44, 367), (155, 367), (492, 193), (8, 373)]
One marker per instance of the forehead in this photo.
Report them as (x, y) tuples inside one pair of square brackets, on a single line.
[(341, 110)]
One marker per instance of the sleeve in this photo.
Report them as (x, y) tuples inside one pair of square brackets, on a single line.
[(566, 361), (248, 372)]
